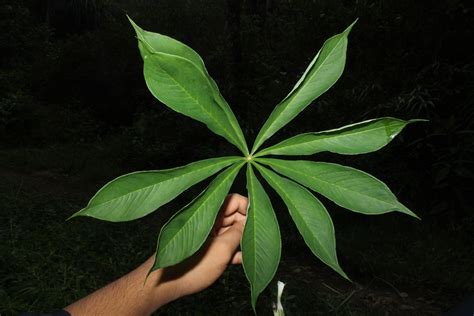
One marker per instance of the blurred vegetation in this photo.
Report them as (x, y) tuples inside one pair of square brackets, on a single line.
[(73, 103)]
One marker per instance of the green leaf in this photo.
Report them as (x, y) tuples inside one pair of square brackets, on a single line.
[(137, 194), (150, 42), (186, 231), (321, 74), (345, 186), (176, 82), (353, 139), (261, 241), (310, 216), (179, 79)]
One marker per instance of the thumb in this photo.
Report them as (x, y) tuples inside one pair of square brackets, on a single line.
[(237, 258)]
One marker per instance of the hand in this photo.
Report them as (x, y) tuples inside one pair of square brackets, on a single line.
[(130, 296), (205, 267)]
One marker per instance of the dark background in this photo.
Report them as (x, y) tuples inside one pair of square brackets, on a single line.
[(75, 112)]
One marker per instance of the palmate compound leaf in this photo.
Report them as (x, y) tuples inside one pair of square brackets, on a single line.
[(175, 74), (310, 216), (137, 194), (188, 229), (353, 139), (321, 74), (347, 187), (261, 241)]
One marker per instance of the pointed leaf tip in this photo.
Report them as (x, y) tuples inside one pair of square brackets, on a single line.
[(78, 213), (71, 217), (134, 25), (407, 211), (349, 28)]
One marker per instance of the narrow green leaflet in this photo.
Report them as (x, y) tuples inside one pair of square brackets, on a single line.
[(310, 217), (137, 194), (321, 74), (261, 241), (345, 186), (186, 231), (353, 139), (176, 82), (197, 93)]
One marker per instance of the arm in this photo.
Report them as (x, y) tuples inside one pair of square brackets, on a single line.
[(130, 296)]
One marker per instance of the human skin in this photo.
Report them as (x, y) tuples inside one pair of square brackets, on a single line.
[(129, 295)]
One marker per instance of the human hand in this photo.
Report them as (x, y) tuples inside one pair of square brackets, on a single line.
[(207, 265), (130, 296)]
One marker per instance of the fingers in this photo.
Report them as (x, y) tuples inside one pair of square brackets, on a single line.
[(234, 209), (227, 243), (237, 258), (233, 234), (224, 224), (229, 220), (234, 203)]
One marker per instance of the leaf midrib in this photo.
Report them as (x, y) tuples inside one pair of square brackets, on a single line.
[(254, 220)]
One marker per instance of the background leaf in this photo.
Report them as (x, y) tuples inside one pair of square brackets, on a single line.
[(310, 216), (137, 194), (166, 86), (345, 186), (186, 231), (261, 241), (353, 139), (321, 74)]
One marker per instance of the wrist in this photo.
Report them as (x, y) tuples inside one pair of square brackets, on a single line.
[(160, 288)]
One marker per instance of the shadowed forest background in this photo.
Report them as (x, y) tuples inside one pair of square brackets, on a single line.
[(75, 113)]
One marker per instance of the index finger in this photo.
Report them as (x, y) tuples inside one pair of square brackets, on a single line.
[(234, 203)]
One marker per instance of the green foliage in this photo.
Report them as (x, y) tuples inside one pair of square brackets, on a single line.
[(177, 77), (354, 139), (191, 225), (310, 216), (261, 241), (323, 71), (348, 187), (137, 194)]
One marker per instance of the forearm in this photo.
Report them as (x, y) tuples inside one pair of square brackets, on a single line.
[(128, 295)]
